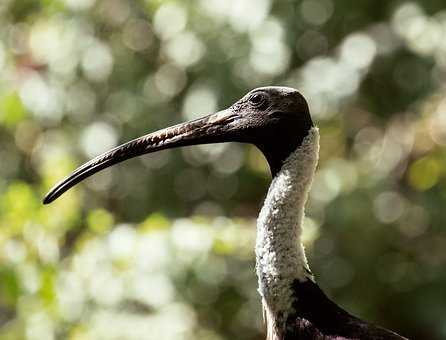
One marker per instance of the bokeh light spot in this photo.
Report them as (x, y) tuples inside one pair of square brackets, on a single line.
[(198, 102), (98, 138), (316, 12), (388, 207), (185, 49), (169, 20), (424, 173), (97, 61)]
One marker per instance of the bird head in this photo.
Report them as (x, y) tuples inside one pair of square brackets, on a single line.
[(275, 119)]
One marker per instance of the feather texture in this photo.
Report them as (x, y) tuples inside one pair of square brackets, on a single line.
[(279, 252), (294, 307)]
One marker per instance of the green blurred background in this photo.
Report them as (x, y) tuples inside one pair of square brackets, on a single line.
[(161, 247)]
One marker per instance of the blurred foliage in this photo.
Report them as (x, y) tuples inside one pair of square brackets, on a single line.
[(115, 258)]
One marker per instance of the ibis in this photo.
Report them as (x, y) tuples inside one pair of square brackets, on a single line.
[(277, 121)]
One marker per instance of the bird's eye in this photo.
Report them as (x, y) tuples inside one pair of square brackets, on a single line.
[(257, 99)]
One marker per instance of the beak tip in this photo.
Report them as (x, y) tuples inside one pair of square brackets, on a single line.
[(49, 197)]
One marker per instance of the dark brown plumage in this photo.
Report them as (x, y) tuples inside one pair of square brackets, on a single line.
[(317, 317)]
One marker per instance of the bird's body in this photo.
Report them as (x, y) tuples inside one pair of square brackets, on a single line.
[(278, 122)]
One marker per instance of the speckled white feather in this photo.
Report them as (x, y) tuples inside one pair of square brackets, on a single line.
[(279, 251)]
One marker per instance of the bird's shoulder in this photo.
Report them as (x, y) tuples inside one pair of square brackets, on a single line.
[(316, 317)]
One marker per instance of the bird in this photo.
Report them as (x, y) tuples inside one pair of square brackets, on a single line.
[(277, 120)]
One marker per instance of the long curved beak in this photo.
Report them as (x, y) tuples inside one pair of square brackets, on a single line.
[(214, 128)]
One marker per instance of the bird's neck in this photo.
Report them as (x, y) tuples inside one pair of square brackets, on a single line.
[(280, 254)]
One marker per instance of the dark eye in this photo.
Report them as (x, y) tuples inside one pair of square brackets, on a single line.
[(257, 99)]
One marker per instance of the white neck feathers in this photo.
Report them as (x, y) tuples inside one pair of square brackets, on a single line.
[(280, 254)]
